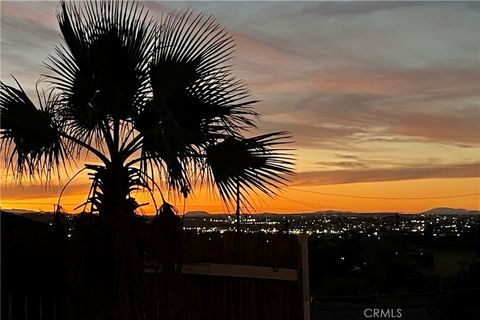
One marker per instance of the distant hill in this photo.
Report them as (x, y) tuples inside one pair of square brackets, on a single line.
[(40, 216), (453, 211), (24, 211), (47, 216), (193, 214), (440, 211), (333, 212)]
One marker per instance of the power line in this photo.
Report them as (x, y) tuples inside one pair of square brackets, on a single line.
[(303, 204), (308, 191), (388, 198), (76, 204), (48, 203), (300, 203)]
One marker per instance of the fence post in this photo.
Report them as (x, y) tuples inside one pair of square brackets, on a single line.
[(40, 309), (26, 307), (303, 275), (10, 306), (54, 307)]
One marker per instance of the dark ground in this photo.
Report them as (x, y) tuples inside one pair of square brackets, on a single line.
[(425, 277)]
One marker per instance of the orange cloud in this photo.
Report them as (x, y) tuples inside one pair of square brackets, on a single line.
[(431, 82), (316, 178)]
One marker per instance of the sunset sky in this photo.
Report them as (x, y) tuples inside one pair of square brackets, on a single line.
[(382, 98)]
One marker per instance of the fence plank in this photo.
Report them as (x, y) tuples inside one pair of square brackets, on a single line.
[(305, 288), (26, 307), (238, 271), (10, 306), (235, 276), (40, 310)]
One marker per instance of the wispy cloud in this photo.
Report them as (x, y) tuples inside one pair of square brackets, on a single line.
[(330, 177)]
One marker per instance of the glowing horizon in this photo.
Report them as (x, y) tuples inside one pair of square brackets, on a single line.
[(295, 199)]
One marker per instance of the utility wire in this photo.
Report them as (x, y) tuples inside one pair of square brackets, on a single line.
[(388, 198), (314, 192), (300, 203)]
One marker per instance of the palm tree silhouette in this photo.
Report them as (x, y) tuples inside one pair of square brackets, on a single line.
[(241, 166), (153, 101)]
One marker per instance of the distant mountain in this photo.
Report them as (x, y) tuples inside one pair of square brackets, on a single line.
[(352, 213), (41, 216), (324, 213), (193, 214), (47, 216), (23, 211), (440, 211), (333, 212), (454, 211)]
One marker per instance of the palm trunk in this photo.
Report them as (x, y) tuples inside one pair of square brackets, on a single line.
[(117, 210)]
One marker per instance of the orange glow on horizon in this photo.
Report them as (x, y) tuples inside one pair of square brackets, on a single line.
[(296, 199)]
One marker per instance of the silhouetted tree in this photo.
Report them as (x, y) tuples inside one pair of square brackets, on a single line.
[(153, 101), (240, 166)]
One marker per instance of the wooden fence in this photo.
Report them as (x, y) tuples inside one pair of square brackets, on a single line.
[(29, 274), (235, 276), (230, 276)]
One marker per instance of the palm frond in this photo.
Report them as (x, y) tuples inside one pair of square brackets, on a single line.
[(30, 137), (192, 81), (164, 151), (102, 69), (257, 164), (195, 98)]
